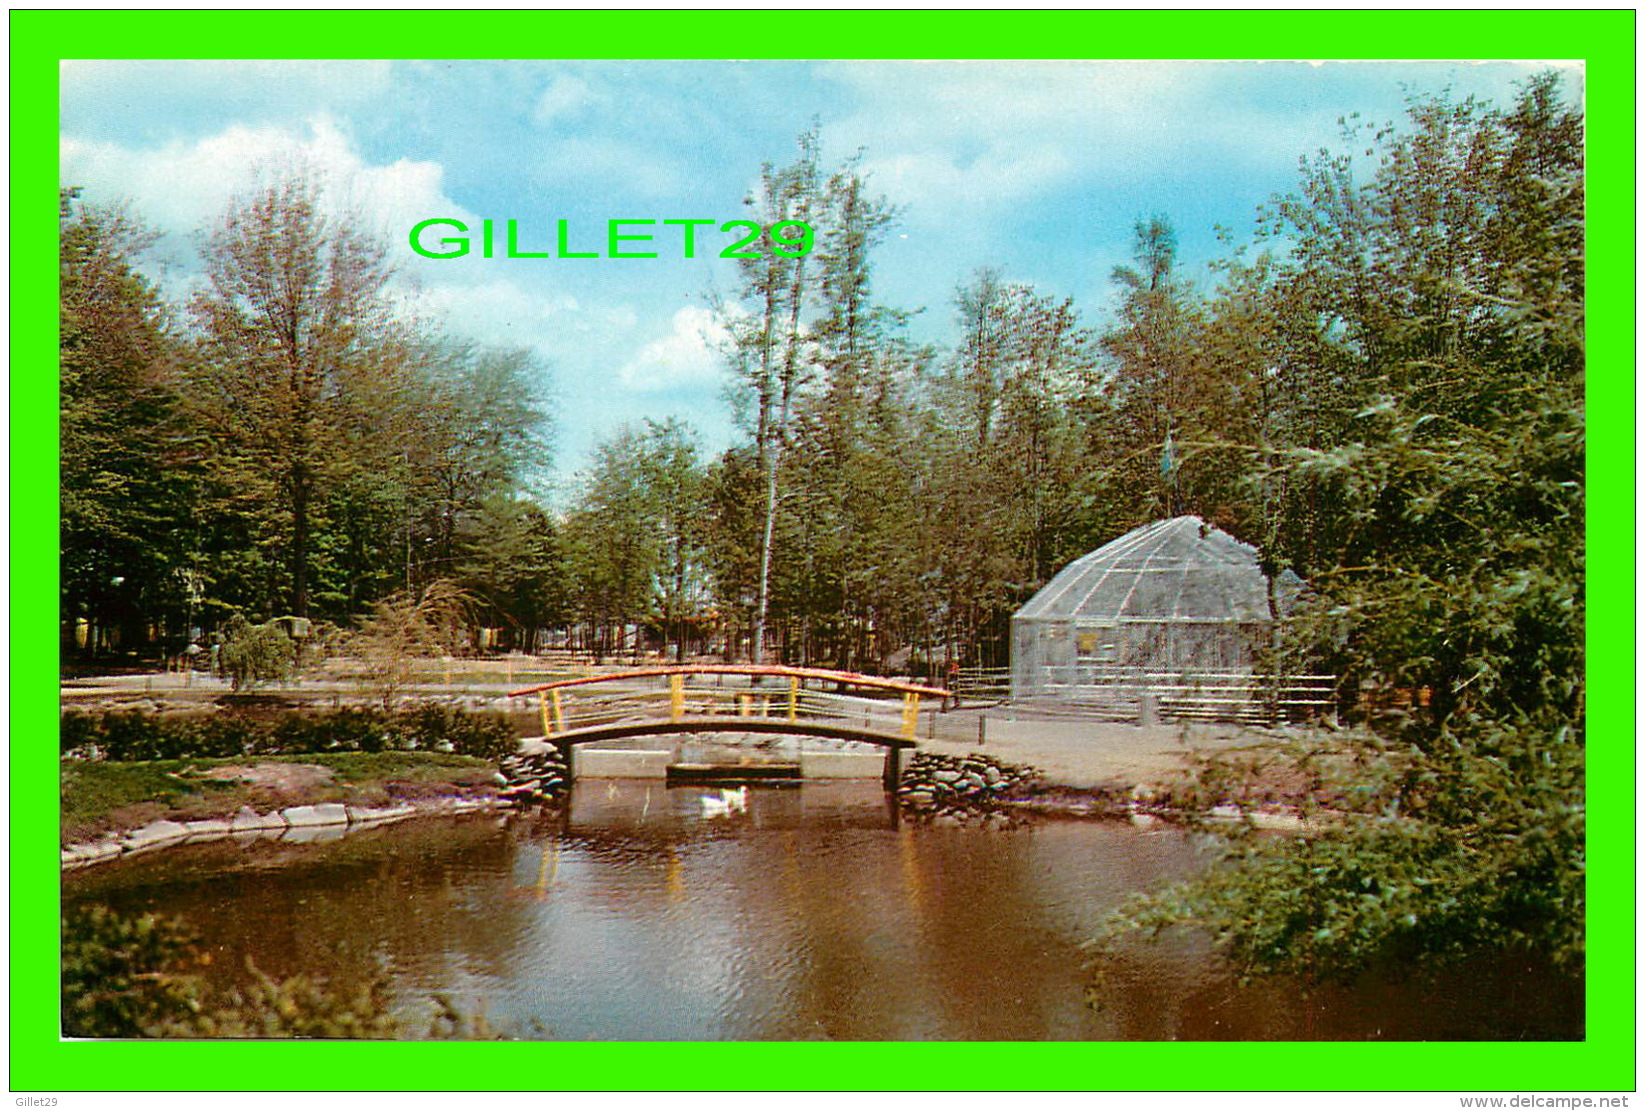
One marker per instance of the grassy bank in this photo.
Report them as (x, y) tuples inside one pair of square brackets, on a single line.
[(99, 796)]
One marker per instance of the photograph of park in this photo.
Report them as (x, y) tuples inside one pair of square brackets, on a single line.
[(850, 551)]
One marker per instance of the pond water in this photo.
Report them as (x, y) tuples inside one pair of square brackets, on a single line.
[(812, 915)]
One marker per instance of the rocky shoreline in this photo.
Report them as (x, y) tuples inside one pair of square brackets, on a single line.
[(962, 790), (534, 778), (970, 790), (984, 791), (290, 823)]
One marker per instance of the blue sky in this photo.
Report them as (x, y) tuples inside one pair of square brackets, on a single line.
[(1039, 169)]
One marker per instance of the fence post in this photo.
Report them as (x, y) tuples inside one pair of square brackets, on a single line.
[(676, 696), (559, 716), (1148, 710), (794, 698), (910, 714)]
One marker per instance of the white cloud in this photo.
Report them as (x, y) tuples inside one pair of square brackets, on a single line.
[(564, 97), (960, 141), (184, 186), (687, 358)]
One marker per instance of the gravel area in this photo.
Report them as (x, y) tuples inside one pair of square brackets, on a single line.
[(1078, 753)]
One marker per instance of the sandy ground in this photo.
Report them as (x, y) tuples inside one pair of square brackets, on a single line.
[(1078, 753)]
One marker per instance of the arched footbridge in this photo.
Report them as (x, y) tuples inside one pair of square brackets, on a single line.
[(735, 698)]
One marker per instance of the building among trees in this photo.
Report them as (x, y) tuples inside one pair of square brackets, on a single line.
[(1177, 611)]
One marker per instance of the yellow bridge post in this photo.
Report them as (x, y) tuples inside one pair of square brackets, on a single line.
[(793, 698), (553, 719), (910, 714), (676, 697), (745, 705)]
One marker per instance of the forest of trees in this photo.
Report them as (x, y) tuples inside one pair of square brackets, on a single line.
[(285, 444), (1408, 321), (289, 442)]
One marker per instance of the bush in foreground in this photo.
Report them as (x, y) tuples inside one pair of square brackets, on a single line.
[(134, 978)]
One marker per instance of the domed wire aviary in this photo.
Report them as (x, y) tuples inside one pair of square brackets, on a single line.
[(1175, 613)]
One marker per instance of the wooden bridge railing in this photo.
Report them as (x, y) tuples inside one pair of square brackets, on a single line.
[(767, 693)]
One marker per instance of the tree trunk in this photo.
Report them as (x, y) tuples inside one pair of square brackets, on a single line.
[(758, 651), (299, 542)]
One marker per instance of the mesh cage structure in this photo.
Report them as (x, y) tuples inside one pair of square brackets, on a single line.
[(1175, 612)]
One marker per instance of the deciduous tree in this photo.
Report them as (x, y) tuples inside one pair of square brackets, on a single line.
[(126, 490), (294, 317)]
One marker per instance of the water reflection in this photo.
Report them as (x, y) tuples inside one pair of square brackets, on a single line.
[(812, 914)]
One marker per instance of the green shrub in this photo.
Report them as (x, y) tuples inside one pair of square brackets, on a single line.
[(488, 736), (79, 731), (354, 729), (253, 654), (433, 726), (208, 735), (427, 724), (132, 978), (294, 733), (122, 977), (132, 735)]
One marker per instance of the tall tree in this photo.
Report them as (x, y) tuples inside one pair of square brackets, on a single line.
[(480, 433), (675, 480), (294, 316), (770, 351), (126, 492), (733, 490), (1009, 453), (633, 538), (1156, 384), (838, 499), (512, 561), (1431, 309)]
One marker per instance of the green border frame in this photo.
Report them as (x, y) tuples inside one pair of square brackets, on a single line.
[(1604, 40)]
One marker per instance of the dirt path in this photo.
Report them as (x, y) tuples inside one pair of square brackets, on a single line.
[(1080, 754)]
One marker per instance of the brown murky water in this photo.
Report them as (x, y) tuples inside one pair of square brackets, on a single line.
[(810, 916)]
